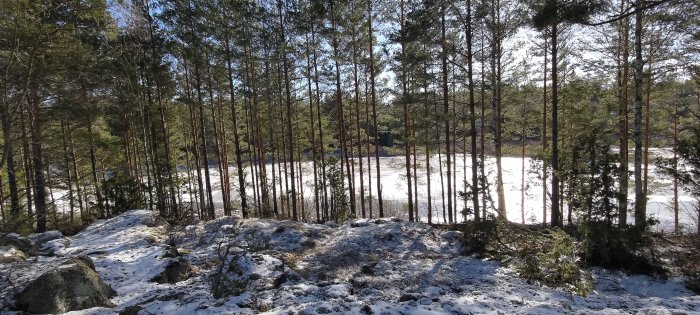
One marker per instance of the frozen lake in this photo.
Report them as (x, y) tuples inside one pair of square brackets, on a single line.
[(395, 195)]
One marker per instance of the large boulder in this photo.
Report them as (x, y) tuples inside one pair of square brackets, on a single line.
[(73, 285)]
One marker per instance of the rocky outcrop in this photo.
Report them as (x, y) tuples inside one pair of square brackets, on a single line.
[(73, 285)]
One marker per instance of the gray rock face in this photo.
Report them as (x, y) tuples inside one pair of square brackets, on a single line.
[(19, 242), (177, 270), (9, 254), (41, 238), (51, 247), (73, 285), (131, 310)]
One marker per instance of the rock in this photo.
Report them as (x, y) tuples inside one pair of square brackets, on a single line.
[(254, 276), (331, 224), (9, 254), (226, 228), (171, 252), (73, 285), (368, 269), (409, 297), (308, 243), (86, 260), (51, 247), (131, 310), (280, 280), (177, 270), (280, 229), (41, 238), (155, 221), (360, 223), (23, 244)]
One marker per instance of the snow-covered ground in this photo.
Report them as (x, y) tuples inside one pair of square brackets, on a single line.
[(361, 267), (395, 195)]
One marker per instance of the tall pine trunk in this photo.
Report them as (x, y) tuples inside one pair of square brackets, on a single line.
[(288, 106), (374, 108), (623, 74), (497, 106), (27, 164), (676, 225), (320, 129), (69, 178), (209, 207), (10, 161), (236, 137), (640, 215), (93, 168), (543, 136), (312, 124), (38, 162), (357, 121), (555, 212), (406, 130), (446, 110), (647, 131), (472, 114)]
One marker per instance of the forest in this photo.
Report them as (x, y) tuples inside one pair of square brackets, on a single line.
[(112, 108), (535, 130)]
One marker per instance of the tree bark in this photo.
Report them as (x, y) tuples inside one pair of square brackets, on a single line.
[(406, 130), (374, 109), (10, 161), (312, 123), (445, 110), (544, 134), (472, 114), (288, 105), (38, 163), (497, 43), (357, 121), (623, 52), (555, 212), (236, 137), (676, 226), (640, 216)]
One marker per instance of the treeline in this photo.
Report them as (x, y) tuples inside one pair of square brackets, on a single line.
[(135, 105)]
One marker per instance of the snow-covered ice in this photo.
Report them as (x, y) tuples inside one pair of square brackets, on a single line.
[(395, 195)]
